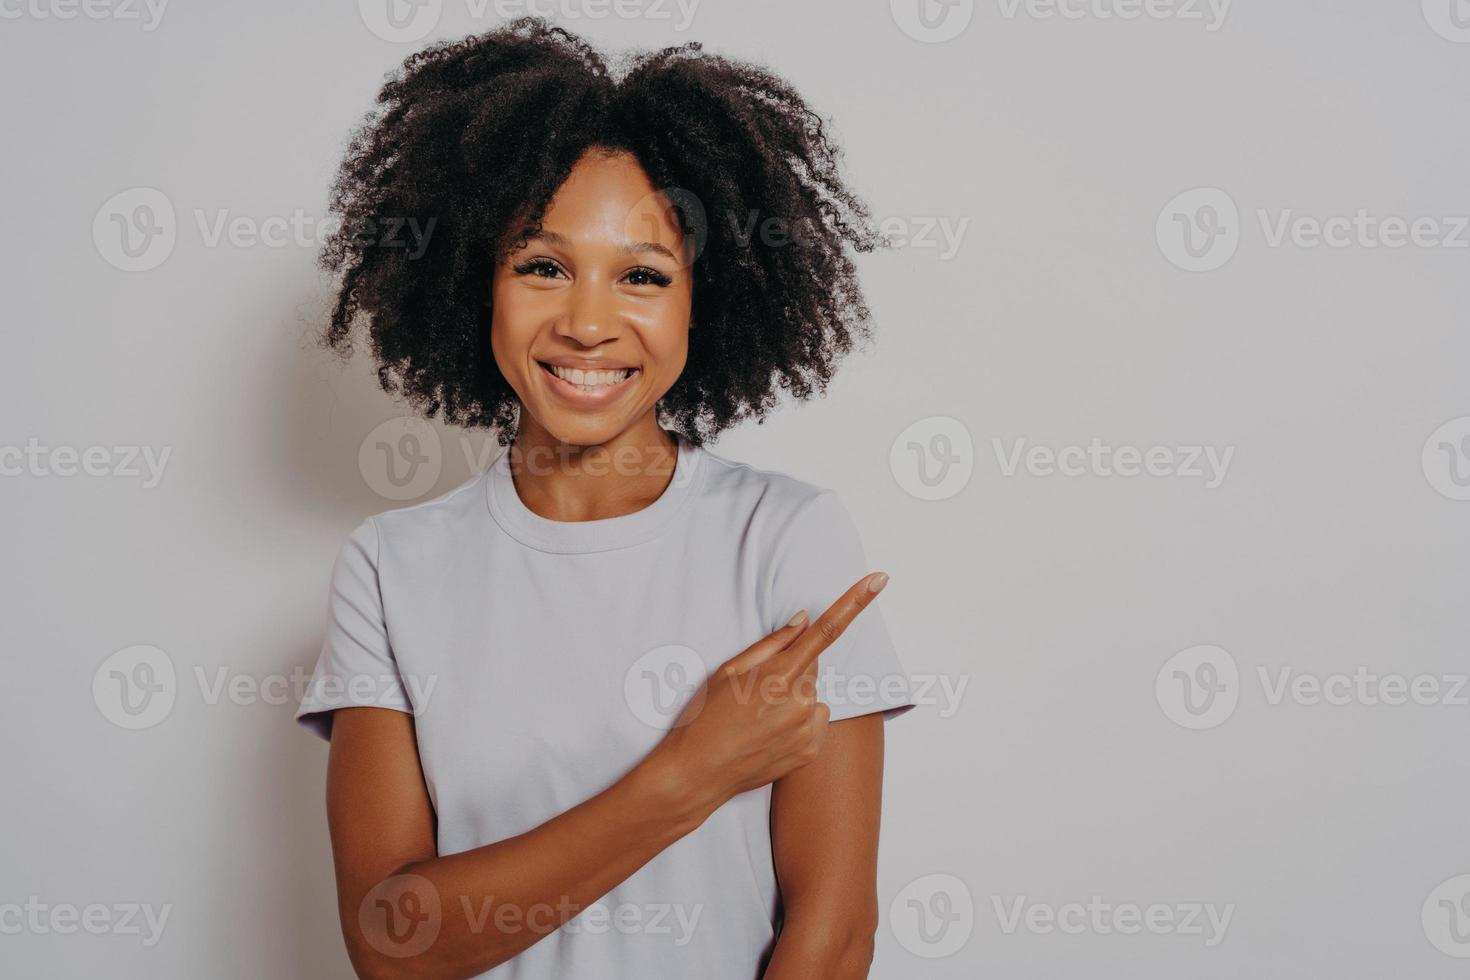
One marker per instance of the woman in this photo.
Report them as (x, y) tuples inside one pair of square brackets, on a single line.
[(577, 726)]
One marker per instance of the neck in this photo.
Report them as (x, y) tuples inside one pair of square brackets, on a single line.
[(564, 481)]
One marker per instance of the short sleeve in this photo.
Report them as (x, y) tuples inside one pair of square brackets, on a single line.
[(820, 555), (356, 666)]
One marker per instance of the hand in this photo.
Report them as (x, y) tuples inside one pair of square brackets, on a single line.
[(757, 717)]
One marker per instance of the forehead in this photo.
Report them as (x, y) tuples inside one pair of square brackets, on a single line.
[(608, 198)]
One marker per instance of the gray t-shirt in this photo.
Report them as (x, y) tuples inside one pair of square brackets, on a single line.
[(543, 659)]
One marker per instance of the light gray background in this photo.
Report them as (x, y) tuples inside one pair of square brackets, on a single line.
[(1056, 143)]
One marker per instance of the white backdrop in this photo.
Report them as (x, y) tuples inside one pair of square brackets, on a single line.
[(1205, 720)]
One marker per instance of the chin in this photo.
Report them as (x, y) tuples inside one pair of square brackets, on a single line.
[(592, 429)]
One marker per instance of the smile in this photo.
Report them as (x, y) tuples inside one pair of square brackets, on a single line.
[(588, 387)]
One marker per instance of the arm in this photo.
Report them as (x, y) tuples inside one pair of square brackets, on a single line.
[(824, 836), (748, 725), (382, 821)]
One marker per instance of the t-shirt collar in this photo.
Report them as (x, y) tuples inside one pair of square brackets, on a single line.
[(572, 537)]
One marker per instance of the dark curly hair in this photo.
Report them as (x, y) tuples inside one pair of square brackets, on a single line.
[(471, 139)]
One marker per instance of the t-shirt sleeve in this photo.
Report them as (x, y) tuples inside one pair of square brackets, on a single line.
[(356, 666), (820, 556)]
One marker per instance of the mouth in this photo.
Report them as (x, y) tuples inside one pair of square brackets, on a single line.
[(580, 387)]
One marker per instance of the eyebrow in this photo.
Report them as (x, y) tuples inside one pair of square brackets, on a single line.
[(632, 248)]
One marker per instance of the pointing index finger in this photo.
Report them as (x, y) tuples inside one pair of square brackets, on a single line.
[(803, 652)]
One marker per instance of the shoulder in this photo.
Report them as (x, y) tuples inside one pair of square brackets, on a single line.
[(742, 488), (418, 527), (802, 544), (777, 511)]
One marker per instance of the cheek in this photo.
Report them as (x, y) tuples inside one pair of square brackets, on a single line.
[(512, 328), (665, 338), (675, 350)]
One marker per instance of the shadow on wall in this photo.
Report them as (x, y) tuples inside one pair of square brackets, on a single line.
[(343, 450)]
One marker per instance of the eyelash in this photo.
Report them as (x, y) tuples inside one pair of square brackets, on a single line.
[(538, 267)]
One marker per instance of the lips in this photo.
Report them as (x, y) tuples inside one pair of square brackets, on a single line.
[(585, 388), (588, 377)]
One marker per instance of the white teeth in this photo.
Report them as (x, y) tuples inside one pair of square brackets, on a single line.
[(590, 379)]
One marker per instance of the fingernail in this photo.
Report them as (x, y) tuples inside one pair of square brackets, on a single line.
[(798, 619), (876, 583)]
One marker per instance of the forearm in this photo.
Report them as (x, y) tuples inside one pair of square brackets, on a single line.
[(829, 951), (497, 900), (825, 820)]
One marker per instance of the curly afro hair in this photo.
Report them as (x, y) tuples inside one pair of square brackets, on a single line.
[(471, 139)]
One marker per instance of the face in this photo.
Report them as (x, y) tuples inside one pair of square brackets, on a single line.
[(590, 320)]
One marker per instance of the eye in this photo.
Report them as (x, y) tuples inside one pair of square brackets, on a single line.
[(644, 276), (540, 268)]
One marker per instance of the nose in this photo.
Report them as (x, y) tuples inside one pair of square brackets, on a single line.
[(591, 317)]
